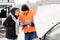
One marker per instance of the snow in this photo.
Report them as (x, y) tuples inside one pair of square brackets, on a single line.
[(20, 35), (46, 17)]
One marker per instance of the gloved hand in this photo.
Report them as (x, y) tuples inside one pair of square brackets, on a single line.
[(32, 24)]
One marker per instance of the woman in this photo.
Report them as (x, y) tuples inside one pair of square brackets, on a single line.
[(11, 23)]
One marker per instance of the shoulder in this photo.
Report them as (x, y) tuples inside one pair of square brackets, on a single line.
[(9, 18), (31, 10)]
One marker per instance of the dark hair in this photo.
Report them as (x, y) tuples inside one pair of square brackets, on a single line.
[(24, 7), (13, 10)]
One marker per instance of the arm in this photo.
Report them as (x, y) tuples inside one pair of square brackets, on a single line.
[(6, 22)]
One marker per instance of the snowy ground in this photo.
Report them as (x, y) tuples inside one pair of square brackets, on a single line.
[(20, 35)]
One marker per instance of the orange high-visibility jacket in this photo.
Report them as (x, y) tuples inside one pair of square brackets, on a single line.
[(29, 16)]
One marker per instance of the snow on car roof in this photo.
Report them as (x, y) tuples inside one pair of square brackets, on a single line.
[(46, 17)]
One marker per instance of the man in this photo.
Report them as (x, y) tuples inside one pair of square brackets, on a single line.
[(26, 18)]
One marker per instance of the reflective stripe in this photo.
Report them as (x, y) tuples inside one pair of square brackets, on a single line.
[(26, 21)]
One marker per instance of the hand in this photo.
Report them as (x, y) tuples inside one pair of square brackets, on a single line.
[(21, 23)]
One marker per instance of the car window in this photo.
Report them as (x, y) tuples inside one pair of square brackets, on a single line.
[(54, 33)]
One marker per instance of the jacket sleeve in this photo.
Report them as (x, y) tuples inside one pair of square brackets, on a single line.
[(6, 22)]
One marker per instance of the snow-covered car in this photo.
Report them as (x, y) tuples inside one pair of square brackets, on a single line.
[(47, 22)]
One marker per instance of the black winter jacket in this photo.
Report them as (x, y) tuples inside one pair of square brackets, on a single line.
[(9, 23)]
